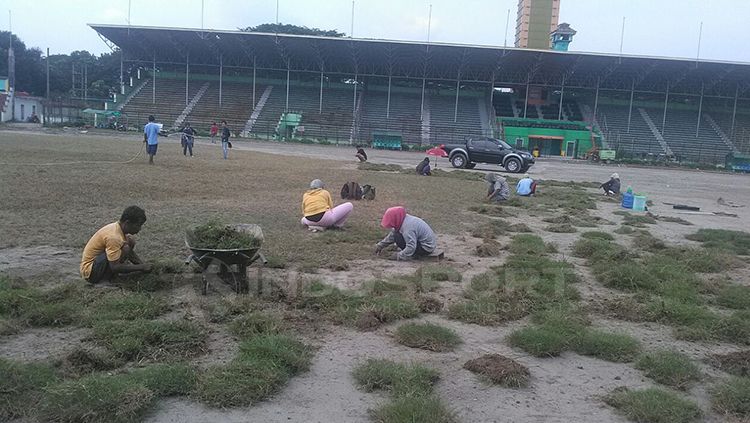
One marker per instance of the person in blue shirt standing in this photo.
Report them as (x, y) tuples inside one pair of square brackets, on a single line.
[(526, 186), (151, 137)]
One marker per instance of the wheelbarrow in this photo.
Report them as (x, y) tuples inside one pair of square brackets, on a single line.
[(232, 263)]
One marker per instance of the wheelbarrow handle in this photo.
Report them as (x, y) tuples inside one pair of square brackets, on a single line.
[(262, 258)]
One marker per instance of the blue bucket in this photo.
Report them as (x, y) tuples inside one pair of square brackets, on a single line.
[(627, 200)]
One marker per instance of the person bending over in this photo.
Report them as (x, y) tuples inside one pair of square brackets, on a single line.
[(361, 155), (423, 168), (497, 188), (611, 187), (111, 250), (412, 235), (526, 186), (318, 211)]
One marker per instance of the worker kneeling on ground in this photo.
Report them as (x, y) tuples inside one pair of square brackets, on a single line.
[(526, 186), (497, 188), (412, 235), (111, 250), (318, 211), (611, 187)]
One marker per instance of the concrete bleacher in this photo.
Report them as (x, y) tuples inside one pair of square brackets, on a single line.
[(170, 101), (443, 128), (740, 138), (236, 106), (638, 141), (269, 116), (503, 105), (332, 121), (404, 115), (680, 134)]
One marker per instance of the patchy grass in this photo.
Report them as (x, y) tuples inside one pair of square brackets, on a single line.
[(425, 409), (625, 230), (733, 397), (541, 341), (528, 245), (22, 386), (653, 405), (166, 380), (563, 229), (488, 248), (490, 230), (347, 307), (263, 366), (379, 167), (519, 228), (644, 241), (126, 306), (606, 346), (500, 370), (490, 210), (400, 379), (734, 296), (440, 273), (255, 323), (81, 361), (737, 242), (673, 219), (150, 340), (411, 389), (598, 235), (669, 368), (735, 363), (635, 220), (427, 336)]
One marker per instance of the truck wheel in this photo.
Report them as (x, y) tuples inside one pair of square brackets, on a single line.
[(471, 165), (513, 165), (459, 161)]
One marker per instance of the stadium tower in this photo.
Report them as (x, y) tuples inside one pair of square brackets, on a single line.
[(536, 20)]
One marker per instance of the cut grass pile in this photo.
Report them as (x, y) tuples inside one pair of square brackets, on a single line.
[(362, 310), (440, 273), (635, 220), (669, 368), (410, 387), (735, 363), (733, 397), (598, 235), (488, 248), (653, 405), (737, 242), (562, 229), (220, 236), (500, 370), (570, 199), (379, 167), (150, 340), (490, 229), (625, 230), (81, 361), (255, 323), (263, 366), (427, 336)]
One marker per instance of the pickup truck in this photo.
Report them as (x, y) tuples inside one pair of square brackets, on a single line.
[(488, 150)]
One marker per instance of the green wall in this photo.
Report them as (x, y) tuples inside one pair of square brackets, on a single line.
[(581, 138)]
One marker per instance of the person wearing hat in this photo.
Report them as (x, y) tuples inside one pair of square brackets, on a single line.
[(497, 188), (318, 211), (612, 187), (423, 168), (526, 187), (412, 235)]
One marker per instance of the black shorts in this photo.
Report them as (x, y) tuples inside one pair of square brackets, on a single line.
[(100, 269)]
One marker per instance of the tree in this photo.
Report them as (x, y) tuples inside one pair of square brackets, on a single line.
[(282, 28)]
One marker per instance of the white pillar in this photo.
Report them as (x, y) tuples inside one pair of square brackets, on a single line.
[(630, 109), (664, 116), (388, 102), (320, 101), (221, 75), (153, 82), (286, 107), (421, 107), (700, 113), (455, 108)]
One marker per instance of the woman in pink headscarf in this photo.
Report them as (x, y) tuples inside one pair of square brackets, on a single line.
[(412, 235)]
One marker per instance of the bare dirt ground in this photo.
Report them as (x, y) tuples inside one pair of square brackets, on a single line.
[(563, 389)]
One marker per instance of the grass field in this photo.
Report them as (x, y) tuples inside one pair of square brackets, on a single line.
[(562, 304)]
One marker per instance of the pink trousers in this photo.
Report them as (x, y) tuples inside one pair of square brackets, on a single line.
[(334, 217)]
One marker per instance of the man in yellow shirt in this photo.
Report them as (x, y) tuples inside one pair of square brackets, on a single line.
[(111, 250)]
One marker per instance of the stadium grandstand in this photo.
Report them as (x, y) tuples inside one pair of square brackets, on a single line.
[(349, 90)]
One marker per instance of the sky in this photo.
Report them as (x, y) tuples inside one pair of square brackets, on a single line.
[(652, 27)]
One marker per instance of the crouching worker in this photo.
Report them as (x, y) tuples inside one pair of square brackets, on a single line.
[(423, 168), (412, 235), (611, 187), (111, 250), (526, 187), (497, 188), (361, 155), (318, 211)]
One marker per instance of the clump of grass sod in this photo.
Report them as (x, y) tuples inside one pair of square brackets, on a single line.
[(410, 387), (733, 397), (653, 405), (22, 386), (669, 368), (220, 236), (737, 242), (499, 370), (150, 340), (427, 336), (735, 363)]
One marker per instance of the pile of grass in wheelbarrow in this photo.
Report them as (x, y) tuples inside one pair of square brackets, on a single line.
[(215, 235)]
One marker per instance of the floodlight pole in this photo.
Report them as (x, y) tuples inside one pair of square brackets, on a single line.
[(421, 107), (286, 106), (596, 101), (122, 80), (526, 101), (388, 102), (630, 109), (153, 81), (562, 95), (253, 83), (320, 103), (734, 110), (354, 104), (700, 112), (221, 75), (187, 78), (458, 89), (664, 116), (47, 65)]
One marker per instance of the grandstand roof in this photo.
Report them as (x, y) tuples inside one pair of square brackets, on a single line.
[(438, 61)]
